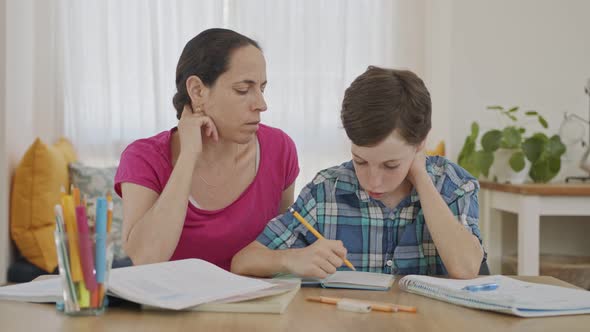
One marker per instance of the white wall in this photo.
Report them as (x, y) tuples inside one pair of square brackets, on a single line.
[(31, 103), (437, 48), (531, 53), (4, 180), (29, 94)]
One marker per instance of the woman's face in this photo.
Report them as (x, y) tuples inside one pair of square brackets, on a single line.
[(236, 99), (382, 168)]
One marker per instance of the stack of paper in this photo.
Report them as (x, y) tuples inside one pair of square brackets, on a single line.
[(171, 285)]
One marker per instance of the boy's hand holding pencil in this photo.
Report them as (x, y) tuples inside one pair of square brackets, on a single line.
[(318, 260)]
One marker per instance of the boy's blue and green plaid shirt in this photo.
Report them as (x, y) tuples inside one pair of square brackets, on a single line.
[(378, 239)]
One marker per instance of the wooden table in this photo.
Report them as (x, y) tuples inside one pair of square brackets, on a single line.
[(300, 316), (529, 202)]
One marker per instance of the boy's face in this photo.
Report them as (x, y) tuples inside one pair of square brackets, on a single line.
[(382, 168)]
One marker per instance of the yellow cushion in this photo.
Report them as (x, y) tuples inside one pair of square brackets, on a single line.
[(36, 189), (66, 147), (439, 150)]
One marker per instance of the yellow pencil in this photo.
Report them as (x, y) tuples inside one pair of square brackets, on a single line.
[(72, 231), (316, 233)]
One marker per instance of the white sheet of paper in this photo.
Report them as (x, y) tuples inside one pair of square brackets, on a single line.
[(48, 290)]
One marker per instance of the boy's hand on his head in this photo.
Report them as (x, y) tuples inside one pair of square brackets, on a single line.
[(418, 168), (319, 260)]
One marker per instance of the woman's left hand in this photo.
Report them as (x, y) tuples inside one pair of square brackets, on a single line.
[(418, 168)]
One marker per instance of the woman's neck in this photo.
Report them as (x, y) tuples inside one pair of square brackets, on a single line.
[(214, 151)]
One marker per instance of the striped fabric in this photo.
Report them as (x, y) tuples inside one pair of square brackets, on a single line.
[(378, 239)]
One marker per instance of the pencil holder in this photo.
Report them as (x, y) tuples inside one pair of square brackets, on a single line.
[(84, 265)]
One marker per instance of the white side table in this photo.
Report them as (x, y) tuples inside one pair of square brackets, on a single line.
[(529, 202)]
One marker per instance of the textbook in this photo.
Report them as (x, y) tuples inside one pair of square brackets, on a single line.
[(271, 300), (501, 294), (172, 285), (354, 280)]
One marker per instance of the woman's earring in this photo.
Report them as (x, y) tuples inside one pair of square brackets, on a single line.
[(198, 109)]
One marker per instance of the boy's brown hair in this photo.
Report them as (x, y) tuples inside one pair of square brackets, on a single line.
[(382, 100)]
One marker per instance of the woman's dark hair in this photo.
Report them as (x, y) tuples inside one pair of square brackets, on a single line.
[(207, 56), (382, 100)]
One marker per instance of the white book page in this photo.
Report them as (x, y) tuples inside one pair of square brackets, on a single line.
[(48, 290), (278, 287), (179, 284), (526, 295), (359, 278)]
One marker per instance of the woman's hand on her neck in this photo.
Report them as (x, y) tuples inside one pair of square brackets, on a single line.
[(193, 125)]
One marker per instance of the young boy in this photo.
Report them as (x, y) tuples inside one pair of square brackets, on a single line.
[(391, 209)]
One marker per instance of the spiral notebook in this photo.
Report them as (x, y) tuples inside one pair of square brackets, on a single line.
[(514, 297)]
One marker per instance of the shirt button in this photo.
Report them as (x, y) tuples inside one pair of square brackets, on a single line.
[(389, 262)]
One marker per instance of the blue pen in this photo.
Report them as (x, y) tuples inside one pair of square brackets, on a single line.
[(101, 237), (482, 287)]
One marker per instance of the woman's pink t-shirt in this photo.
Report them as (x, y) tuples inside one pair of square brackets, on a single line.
[(216, 236)]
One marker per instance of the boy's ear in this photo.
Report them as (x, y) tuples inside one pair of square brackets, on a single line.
[(196, 90)]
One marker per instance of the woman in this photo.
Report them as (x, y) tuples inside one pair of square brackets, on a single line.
[(207, 188), (390, 209)]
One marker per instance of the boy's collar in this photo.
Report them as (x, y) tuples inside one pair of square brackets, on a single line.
[(348, 183)]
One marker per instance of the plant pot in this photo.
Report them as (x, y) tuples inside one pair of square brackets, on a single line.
[(503, 173)]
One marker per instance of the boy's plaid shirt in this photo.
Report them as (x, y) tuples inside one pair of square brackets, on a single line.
[(378, 239)]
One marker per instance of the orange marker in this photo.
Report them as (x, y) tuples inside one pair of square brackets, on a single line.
[(76, 196), (109, 211), (377, 306)]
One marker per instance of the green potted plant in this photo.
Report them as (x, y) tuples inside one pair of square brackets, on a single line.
[(537, 155)]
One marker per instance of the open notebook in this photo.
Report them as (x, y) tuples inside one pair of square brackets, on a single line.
[(512, 296), (354, 280)]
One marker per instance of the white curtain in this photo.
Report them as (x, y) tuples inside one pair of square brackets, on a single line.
[(119, 68), (120, 57), (314, 50)]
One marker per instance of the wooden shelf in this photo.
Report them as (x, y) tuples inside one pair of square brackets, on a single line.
[(540, 189)]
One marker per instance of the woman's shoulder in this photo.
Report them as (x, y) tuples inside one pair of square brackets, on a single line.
[(157, 143), (145, 162), (154, 150)]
